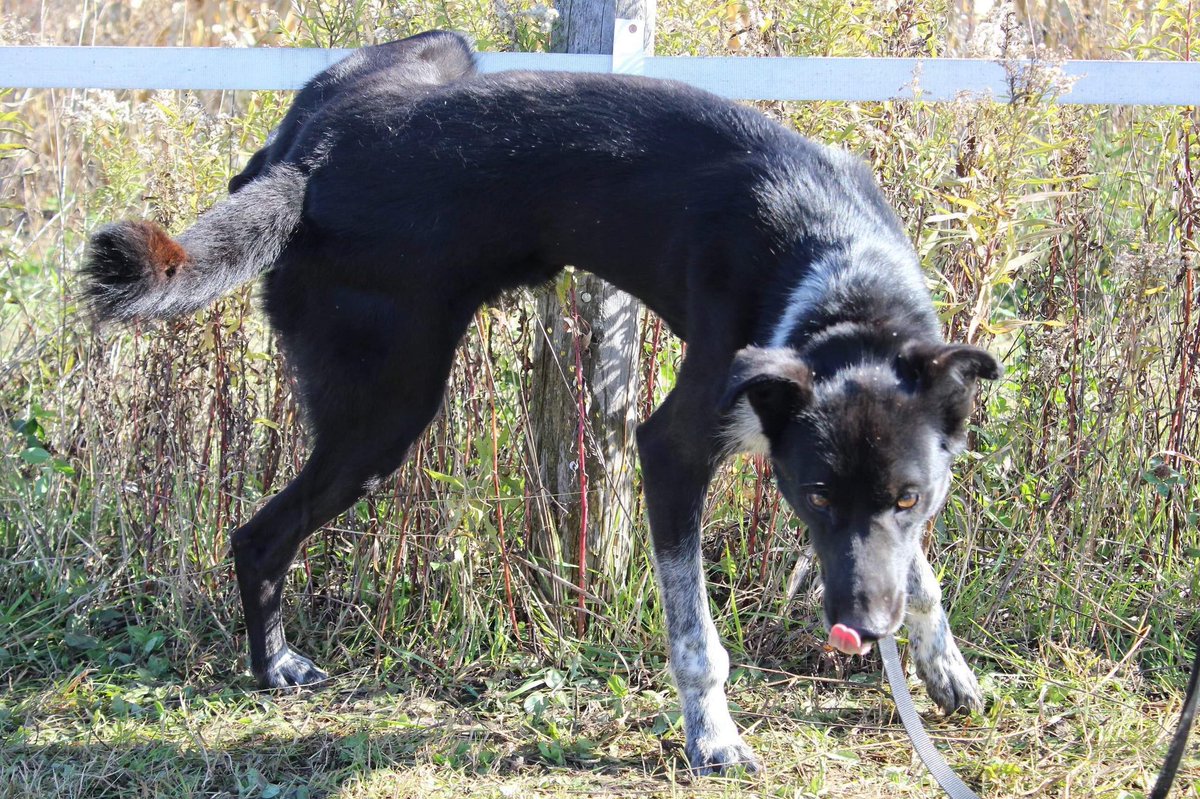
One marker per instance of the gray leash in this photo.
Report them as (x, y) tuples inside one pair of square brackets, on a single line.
[(1162, 785), (955, 788), (930, 756)]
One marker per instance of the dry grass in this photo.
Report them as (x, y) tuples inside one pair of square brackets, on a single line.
[(1063, 238), (509, 733)]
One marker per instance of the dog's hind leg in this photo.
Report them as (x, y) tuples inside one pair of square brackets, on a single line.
[(263, 550), (364, 416), (947, 677), (678, 446)]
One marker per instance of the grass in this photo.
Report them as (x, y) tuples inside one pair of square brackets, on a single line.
[(1062, 238), (506, 729)]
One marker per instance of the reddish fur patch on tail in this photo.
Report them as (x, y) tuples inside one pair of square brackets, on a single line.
[(163, 253)]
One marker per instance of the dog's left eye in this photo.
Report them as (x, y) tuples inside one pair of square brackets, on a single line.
[(908, 500), (818, 500)]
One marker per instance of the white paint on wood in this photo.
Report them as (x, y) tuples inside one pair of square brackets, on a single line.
[(629, 54), (850, 79)]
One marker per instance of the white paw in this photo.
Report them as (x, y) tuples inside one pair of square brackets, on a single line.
[(716, 752), (949, 680), (290, 668)]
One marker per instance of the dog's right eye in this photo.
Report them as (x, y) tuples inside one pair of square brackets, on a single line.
[(817, 500)]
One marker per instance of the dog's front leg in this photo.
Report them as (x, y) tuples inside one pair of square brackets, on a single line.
[(700, 666), (676, 467), (949, 681)]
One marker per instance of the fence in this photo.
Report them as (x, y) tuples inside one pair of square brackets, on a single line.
[(788, 78)]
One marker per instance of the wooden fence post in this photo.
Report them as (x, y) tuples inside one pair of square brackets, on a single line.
[(586, 366)]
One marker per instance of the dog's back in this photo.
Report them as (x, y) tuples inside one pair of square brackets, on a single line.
[(420, 62)]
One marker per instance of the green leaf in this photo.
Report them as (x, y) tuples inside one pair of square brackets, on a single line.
[(35, 455), (448, 479), (30, 429), (555, 679), (534, 704), (618, 685), (80, 641), (665, 722)]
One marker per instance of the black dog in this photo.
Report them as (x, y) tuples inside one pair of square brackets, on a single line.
[(403, 190)]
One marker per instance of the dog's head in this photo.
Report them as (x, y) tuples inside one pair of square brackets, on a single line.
[(863, 456)]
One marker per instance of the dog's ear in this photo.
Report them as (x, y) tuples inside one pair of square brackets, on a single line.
[(775, 382), (948, 376)]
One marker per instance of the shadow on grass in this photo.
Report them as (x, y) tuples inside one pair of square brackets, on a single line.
[(322, 744)]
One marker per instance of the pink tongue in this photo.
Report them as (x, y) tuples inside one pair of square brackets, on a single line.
[(846, 640)]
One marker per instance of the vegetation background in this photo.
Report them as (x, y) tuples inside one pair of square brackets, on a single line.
[(1062, 237)]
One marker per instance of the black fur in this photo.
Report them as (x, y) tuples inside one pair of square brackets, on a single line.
[(134, 270), (121, 264), (429, 60), (403, 190)]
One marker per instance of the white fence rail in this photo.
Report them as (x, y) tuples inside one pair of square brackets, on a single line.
[(853, 79)]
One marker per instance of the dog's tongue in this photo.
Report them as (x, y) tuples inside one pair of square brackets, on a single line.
[(847, 640)]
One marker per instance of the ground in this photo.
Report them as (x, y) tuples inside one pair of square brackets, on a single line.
[(524, 731)]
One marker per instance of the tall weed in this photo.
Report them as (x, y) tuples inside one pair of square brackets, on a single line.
[(1061, 237)]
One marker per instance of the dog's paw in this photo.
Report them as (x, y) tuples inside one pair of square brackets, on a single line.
[(722, 754), (949, 681), (288, 668)]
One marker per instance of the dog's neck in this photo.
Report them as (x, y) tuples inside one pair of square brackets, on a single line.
[(848, 344), (850, 302)]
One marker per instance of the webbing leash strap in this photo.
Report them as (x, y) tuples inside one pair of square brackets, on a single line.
[(930, 756), (957, 789), (1179, 742)]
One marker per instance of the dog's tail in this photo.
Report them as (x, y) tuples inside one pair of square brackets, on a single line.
[(135, 270)]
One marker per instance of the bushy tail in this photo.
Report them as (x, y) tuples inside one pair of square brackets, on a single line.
[(135, 270)]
